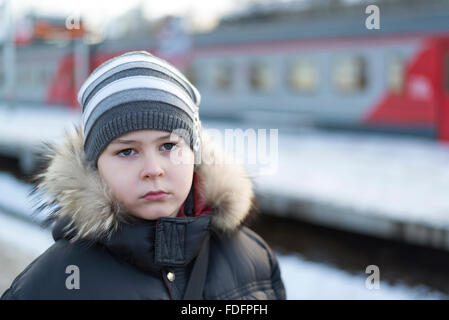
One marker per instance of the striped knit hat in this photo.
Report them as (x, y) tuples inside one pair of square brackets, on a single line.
[(137, 91)]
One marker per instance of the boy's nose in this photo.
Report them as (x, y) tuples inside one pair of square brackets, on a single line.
[(151, 167)]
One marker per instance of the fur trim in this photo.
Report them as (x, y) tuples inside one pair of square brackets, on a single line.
[(73, 188)]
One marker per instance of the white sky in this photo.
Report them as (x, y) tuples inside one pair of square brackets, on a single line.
[(98, 12)]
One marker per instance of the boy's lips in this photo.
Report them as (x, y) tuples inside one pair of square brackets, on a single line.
[(155, 195)]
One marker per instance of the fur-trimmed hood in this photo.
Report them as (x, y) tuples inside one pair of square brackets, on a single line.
[(72, 188)]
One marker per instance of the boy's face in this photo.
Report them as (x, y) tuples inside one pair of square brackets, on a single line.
[(142, 161)]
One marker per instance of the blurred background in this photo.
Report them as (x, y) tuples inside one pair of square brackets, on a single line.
[(354, 100)]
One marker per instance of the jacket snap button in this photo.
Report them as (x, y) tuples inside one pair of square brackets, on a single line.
[(171, 276)]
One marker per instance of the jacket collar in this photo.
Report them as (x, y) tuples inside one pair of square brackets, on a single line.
[(72, 189), (151, 245)]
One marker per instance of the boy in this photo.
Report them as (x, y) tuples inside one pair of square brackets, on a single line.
[(139, 214)]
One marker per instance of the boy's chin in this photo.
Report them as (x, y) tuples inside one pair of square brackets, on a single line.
[(154, 215)]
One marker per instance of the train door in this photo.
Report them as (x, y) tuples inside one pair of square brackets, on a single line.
[(444, 113)]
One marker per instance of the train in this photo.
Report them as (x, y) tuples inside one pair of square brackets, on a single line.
[(325, 70)]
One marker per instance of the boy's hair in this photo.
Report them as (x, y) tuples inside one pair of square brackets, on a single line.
[(137, 91)]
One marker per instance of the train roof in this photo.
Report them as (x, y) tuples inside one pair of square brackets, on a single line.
[(421, 17), (315, 22)]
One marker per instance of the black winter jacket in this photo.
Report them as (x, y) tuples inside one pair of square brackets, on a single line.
[(112, 258)]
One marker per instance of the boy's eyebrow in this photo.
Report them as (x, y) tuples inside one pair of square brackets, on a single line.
[(123, 141)]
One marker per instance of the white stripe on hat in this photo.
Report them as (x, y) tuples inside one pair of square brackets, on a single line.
[(137, 56), (136, 82)]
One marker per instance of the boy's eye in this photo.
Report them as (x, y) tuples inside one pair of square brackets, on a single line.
[(168, 146), (125, 152)]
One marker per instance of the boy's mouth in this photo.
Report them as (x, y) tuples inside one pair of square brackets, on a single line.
[(155, 195)]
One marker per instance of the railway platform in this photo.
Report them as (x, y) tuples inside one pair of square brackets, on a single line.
[(392, 187)]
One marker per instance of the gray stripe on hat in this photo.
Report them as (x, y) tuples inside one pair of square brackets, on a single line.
[(130, 57), (143, 82), (135, 95), (120, 72)]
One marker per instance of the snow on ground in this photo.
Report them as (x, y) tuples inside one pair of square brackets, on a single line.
[(400, 178), (27, 236), (316, 281), (20, 243), (15, 197), (30, 125), (405, 180)]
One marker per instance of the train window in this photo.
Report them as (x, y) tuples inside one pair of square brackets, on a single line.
[(303, 75), (23, 76), (222, 75), (34, 76), (395, 72), (43, 75), (350, 74), (49, 74), (261, 76)]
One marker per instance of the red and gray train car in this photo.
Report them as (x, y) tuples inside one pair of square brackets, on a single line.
[(331, 72)]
